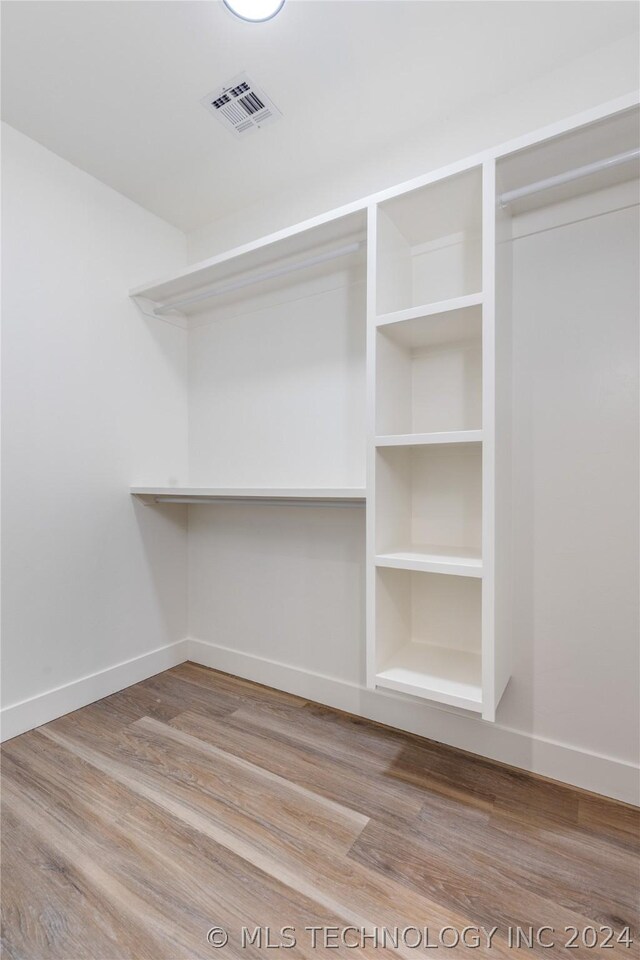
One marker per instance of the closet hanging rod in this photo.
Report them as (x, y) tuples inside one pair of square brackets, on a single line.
[(510, 195), (273, 501), (260, 277)]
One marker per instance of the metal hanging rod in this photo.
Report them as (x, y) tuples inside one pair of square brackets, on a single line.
[(510, 195), (176, 305), (273, 501)]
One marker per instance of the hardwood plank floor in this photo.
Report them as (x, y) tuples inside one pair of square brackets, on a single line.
[(195, 799)]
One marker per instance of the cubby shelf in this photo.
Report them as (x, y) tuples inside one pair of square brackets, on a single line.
[(429, 634), (429, 245), (429, 373), (436, 673), (433, 560), (429, 495), (425, 439), (430, 310)]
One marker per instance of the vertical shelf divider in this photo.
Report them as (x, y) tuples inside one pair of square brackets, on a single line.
[(489, 699), (370, 551)]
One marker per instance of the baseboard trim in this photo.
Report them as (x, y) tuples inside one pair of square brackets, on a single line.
[(19, 717), (607, 776)]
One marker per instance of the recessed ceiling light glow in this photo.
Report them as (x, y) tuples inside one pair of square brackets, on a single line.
[(255, 10)]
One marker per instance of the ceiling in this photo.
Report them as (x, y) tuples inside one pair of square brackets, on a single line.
[(115, 87)]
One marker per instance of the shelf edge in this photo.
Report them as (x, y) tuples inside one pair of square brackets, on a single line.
[(428, 693), (430, 309), (455, 568), (282, 495), (445, 437)]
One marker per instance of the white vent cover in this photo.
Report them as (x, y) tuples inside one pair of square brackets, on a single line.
[(242, 106)]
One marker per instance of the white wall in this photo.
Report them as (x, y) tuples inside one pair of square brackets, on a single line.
[(94, 399), (281, 583), (576, 478), (611, 72), (277, 398), (277, 391)]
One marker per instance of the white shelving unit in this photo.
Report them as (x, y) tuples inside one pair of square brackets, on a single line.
[(404, 296), (428, 636), (431, 442)]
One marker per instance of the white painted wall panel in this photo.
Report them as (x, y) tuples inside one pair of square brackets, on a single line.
[(575, 485), (277, 395), (283, 583), (94, 398)]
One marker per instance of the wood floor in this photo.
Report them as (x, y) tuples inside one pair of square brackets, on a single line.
[(194, 799)]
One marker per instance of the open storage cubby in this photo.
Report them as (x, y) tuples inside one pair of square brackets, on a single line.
[(429, 244), (429, 507), (429, 636), (429, 374)]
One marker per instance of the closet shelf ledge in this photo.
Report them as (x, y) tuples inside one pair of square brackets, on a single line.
[(313, 496)]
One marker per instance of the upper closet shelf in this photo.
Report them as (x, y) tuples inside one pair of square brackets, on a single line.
[(310, 250), (598, 156), (313, 496)]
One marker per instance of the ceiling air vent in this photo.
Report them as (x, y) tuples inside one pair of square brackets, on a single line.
[(241, 106)]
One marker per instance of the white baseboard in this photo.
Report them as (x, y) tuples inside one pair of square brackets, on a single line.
[(33, 712), (608, 776)]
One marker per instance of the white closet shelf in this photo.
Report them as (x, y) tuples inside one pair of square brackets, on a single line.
[(354, 495), (436, 673), (423, 439), (430, 309), (310, 244), (446, 560)]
